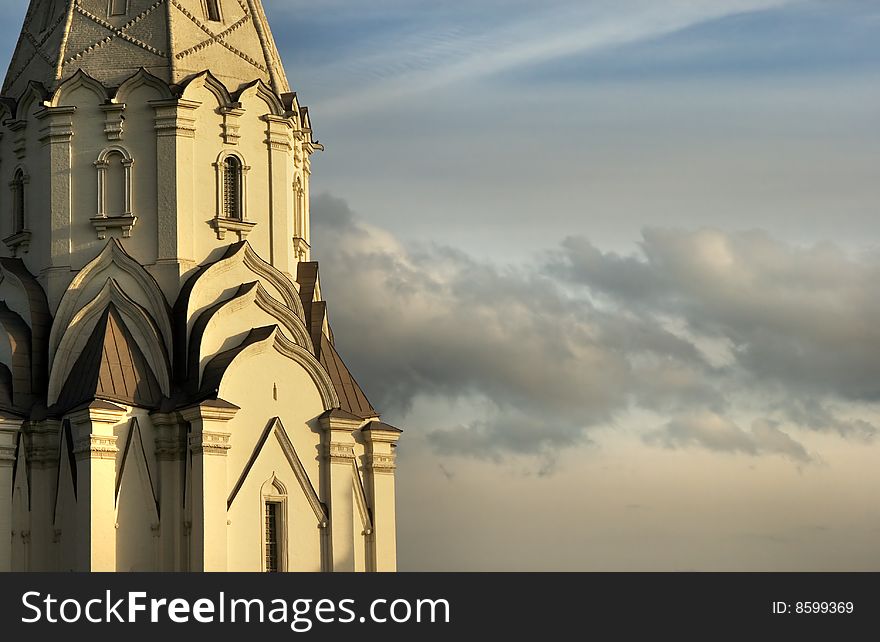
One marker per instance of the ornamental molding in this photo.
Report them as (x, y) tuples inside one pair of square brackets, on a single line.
[(210, 443), (222, 225), (122, 33), (7, 456), (340, 453), (382, 463), (96, 447)]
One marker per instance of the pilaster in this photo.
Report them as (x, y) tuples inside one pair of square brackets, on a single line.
[(56, 136), (41, 441), (209, 443), (95, 450), (9, 429), (170, 454), (175, 126), (381, 442), (338, 484), (281, 210)]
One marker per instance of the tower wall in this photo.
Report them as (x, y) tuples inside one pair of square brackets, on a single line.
[(170, 397)]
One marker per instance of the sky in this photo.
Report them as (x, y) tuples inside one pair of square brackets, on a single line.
[(613, 266)]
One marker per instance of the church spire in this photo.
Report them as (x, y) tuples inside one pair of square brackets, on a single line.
[(172, 39)]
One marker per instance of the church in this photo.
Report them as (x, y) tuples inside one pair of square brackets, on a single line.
[(171, 395)]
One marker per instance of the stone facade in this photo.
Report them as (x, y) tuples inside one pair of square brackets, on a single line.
[(171, 397)]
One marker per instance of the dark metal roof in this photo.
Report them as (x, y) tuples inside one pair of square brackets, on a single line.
[(111, 367), (351, 397), (378, 426)]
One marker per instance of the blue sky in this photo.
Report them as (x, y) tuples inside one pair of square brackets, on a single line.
[(614, 267)]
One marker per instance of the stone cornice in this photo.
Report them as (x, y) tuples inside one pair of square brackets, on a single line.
[(213, 410)]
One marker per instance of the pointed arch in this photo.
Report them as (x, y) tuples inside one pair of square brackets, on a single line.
[(139, 79), (7, 109), (35, 94), (137, 506), (275, 427), (262, 91), (15, 353), (208, 81), (242, 253), (94, 275), (20, 291), (76, 81), (134, 450), (139, 321), (249, 294), (209, 283), (259, 341)]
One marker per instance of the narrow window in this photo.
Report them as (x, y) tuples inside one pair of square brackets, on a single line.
[(232, 188), (213, 10), (273, 519), (118, 7), (114, 185), (18, 202)]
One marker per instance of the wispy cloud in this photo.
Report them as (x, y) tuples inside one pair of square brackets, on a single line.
[(419, 55)]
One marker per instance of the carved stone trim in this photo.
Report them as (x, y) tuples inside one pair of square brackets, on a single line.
[(173, 117), (340, 453), (59, 126), (96, 447), (382, 464), (170, 448), (222, 225), (7, 456), (231, 126), (18, 243), (104, 223), (170, 437), (114, 123), (210, 443)]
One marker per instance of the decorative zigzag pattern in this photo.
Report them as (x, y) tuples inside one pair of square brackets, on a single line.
[(37, 46), (217, 38), (117, 32)]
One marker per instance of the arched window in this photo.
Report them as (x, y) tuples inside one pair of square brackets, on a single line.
[(18, 201), (114, 185), (232, 188), (114, 209), (232, 197), (213, 10), (273, 498)]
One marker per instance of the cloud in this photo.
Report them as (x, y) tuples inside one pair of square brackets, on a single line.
[(699, 326), (716, 433), (437, 45), (804, 318)]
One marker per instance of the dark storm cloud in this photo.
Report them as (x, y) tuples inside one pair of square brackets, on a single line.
[(694, 321)]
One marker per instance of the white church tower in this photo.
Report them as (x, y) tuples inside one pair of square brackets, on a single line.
[(170, 394)]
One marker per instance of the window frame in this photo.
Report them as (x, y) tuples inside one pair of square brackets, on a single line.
[(232, 165), (115, 12), (221, 223), (20, 179), (274, 492), (217, 14)]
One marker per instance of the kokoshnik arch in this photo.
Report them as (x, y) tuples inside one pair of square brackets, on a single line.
[(170, 393)]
